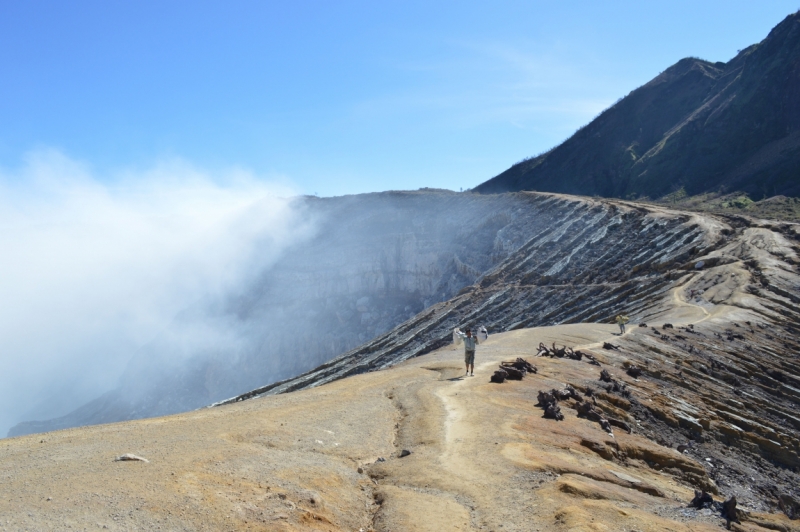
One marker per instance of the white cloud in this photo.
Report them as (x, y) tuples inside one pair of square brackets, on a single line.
[(92, 268)]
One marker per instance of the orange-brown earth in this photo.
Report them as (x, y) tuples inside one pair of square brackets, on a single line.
[(714, 408), (482, 458)]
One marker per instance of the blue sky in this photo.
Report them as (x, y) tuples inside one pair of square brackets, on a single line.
[(337, 97)]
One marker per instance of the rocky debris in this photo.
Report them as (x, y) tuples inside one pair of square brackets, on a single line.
[(618, 387), (789, 505), (701, 500), (667, 326), (543, 350), (514, 371), (567, 393), (620, 424), (546, 398), (549, 401), (553, 411), (728, 511), (591, 359), (565, 352), (513, 374), (520, 364), (609, 346), (558, 352), (128, 457), (588, 410), (404, 453), (614, 385), (634, 371), (499, 376), (643, 325)]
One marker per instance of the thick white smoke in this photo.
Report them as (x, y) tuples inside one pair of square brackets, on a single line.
[(93, 267)]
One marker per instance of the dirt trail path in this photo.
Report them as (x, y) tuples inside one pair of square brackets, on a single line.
[(680, 301), (481, 458)]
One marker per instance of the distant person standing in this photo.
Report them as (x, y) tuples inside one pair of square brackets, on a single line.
[(469, 349), (621, 321)]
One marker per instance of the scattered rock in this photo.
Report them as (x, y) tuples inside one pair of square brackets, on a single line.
[(634, 371), (587, 410), (381, 459), (789, 505), (513, 374), (553, 411), (643, 325), (559, 352), (514, 371), (729, 511), (499, 376), (404, 453), (546, 398), (574, 355), (620, 424), (701, 500), (567, 393), (360, 470), (549, 401), (605, 376), (128, 457), (520, 364), (543, 350), (590, 358), (667, 326)]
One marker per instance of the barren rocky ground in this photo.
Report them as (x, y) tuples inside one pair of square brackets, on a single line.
[(709, 388), (482, 458)]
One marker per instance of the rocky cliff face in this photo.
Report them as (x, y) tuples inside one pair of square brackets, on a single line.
[(376, 261), (559, 260), (708, 382), (712, 367), (390, 275)]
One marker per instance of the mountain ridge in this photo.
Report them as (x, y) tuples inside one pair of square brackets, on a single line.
[(699, 125)]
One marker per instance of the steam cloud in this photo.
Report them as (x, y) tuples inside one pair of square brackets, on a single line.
[(92, 269)]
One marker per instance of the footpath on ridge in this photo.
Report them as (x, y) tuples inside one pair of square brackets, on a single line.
[(706, 378)]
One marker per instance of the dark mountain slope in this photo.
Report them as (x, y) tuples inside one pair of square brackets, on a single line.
[(699, 125)]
